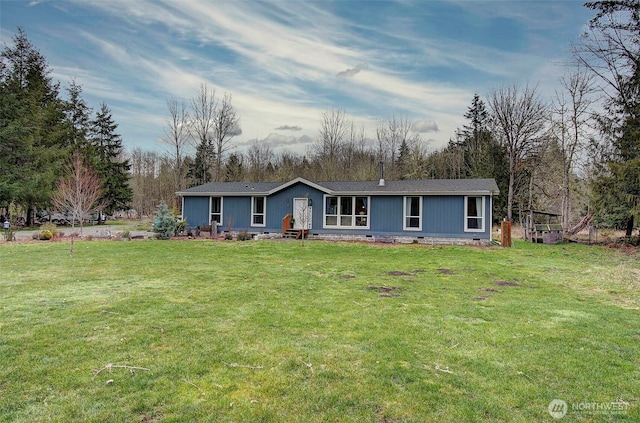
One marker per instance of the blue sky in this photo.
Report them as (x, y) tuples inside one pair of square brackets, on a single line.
[(286, 62)]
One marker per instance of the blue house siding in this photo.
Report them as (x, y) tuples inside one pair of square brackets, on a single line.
[(443, 214), (196, 211), (281, 203)]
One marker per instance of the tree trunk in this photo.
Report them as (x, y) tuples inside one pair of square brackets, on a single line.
[(512, 177), (566, 197)]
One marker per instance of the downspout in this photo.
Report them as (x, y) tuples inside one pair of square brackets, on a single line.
[(490, 214)]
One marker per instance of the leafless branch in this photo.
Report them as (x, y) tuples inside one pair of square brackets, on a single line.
[(112, 366)]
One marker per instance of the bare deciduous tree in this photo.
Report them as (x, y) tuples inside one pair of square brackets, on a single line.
[(327, 149), (259, 157), (518, 116), (78, 192), (570, 127), (226, 125), (177, 137), (391, 134), (203, 114)]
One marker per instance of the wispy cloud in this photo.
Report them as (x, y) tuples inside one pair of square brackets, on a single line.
[(289, 61), (424, 126)]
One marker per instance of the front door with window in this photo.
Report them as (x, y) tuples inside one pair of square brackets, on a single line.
[(302, 213)]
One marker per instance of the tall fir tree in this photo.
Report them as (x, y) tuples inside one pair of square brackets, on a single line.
[(111, 164), (31, 127), (78, 119), (234, 169), (482, 155), (200, 169), (611, 50)]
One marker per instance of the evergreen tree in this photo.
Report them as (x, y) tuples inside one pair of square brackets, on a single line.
[(403, 158), (482, 156), (31, 127), (165, 223), (111, 164), (234, 169), (78, 119), (611, 50), (200, 169)]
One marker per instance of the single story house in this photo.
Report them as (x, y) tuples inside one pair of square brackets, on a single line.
[(427, 210)]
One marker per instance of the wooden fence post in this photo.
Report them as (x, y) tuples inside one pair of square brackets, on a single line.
[(505, 232)]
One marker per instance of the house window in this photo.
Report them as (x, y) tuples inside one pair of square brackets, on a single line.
[(474, 214), (258, 208), (346, 212), (412, 214), (216, 209)]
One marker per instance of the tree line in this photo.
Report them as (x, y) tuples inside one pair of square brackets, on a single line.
[(41, 131), (576, 153)]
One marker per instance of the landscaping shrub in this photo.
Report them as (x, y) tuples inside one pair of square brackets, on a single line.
[(51, 228), (244, 236), (181, 227), (165, 224), (45, 235)]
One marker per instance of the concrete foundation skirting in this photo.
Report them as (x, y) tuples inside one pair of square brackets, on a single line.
[(401, 239)]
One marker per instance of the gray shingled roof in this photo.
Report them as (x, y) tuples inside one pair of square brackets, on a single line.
[(415, 186), (419, 186), (232, 187)]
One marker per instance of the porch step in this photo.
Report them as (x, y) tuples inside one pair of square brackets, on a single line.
[(295, 233)]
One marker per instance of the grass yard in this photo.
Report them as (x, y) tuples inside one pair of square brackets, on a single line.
[(152, 331)]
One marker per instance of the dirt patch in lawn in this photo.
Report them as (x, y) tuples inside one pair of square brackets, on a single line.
[(445, 271), (387, 291), (399, 273), (481, 298), (490, 290), (506, 283)]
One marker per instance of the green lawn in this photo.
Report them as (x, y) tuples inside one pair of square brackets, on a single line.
[(275, 331)]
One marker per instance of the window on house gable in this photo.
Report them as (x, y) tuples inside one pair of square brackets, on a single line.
[(346, 212), (474, 214), (412, 213), (216, 210), (258, 211)]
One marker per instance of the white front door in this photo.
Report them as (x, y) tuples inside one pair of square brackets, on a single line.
[(302, 213)]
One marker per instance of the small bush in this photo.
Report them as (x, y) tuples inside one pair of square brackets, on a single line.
[(244, 236), (45, 235), (181, 225), (125, 235), (51, 228)]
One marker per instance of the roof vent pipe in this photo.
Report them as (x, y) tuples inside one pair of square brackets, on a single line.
[(381, 182)]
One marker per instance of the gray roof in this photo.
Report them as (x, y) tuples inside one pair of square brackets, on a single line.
[(417, 186)]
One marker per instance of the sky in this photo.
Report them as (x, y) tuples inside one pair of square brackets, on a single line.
[(285, 63)]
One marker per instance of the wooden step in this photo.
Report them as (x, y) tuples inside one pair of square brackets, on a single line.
[(295, 233)]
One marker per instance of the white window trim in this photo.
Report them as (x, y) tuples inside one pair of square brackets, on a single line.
[(354, 215), (404, 213), (482, 215), (221, 209), (264, 215)]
